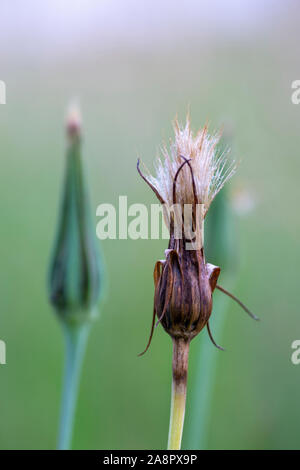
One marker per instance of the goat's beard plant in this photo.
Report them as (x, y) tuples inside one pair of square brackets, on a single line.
[(188, 177)]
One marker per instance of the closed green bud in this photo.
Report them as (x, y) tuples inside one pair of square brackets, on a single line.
[(75, 270)]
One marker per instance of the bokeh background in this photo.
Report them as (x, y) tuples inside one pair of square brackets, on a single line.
[(134, 65)]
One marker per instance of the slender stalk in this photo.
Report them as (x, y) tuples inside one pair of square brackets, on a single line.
[(178, 399), (75, 340)]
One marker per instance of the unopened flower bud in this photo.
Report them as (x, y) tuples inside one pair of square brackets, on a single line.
[(74, 284)]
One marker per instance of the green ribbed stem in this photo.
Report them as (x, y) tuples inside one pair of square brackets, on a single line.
[(75, 340)]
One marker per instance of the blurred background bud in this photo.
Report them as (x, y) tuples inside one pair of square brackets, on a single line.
[(75, 271)]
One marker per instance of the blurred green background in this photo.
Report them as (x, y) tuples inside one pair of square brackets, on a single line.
[(129, 92)]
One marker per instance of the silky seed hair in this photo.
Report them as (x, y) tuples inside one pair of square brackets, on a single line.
[(211, 168)]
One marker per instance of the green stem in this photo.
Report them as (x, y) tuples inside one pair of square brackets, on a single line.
[(75, 340), (178, 399)]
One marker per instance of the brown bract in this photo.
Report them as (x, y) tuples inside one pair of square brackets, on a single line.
[(183, 291)]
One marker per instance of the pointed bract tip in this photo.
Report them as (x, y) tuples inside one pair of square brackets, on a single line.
[(73, 120)]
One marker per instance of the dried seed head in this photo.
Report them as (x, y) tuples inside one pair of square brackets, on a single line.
[(192, 173)]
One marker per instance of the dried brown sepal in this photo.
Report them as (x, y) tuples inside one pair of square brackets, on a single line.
[(233, 297), (183, 293)]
